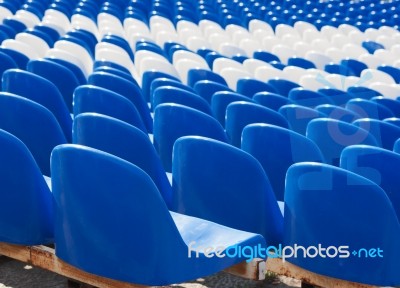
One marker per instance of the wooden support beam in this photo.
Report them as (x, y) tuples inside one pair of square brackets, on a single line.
[(279, 267)]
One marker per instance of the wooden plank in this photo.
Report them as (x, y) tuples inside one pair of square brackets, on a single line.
[(17, 252), (254, 270), (279, 267)]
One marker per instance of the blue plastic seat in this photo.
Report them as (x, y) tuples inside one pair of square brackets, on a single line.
[(111, 64), (115, 71), (172, 121), (392, 71), (33, 124), (338, 113), (199, 187), (6, 62), (265, 56), (372, 46), (384, 132), (20, 59), (276, 149), (148, 78), (162, 82), (308, 98), (21, 82), (127, 89), (82, 174), (64, 79), (206, 89), (356, 66), (282, 86), (75, 69), (53, 34), (125, 141), (301, 62), (369, 109), (90, 98), (332, 207), (170, 94), (86, 37), (239, 114), (298, 116), (332, 136), (340, 69), (271, 100), (119, 41), (17, 25), (391, 104), (378, 165), (198, 74), (362, 92), (221, 100), (26, 207), (338, 97), (249, 87)]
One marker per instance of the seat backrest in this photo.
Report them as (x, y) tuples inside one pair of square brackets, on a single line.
[(207, 173), (332, 136), (172, 121), (369, 109), (59, 75), (308, 98), (33, 124), (20, 82), (206, 89), (126, 89), (325, 205), (385, 133), (125, 141), (26, 213), (276, 149), (298, 116), (239, 114), (90, 98), (102, 200)]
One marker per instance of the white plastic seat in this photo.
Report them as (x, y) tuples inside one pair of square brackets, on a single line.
[(84, 22), (36, 43), (335, 54), (165, 36), (233, 75), (386, 41), (290, 39), (28, 18), (321, 44), (159, 21), (222, 63), (256, 24), (143, 54), (21, 47), (185, 34), (58, 18), (77, 49), (251, 65), (267, 73), (347, 29), (55, 53), (112, 47), (250, 45), (284, 29), (357, 37), (301, 26), (183, 54), (231, 29), (387, 90), (261, 34), (353, 51), (150, 63), (284, 52), (54, 23), (395, 49), (372, 33), (386, 56), (314, 82), (230, 50), (377, 76), (240, 35), (183, 66), (132, 25), (301, 48), (339, 40), (293, 73), (329, 31), (370, 60), (184, 25), (387, 31), (195, 43), (319, 59), (216, 39), (207, 24), (4, 13), (269, 42), (310, 34)]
